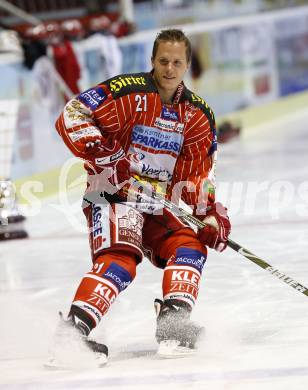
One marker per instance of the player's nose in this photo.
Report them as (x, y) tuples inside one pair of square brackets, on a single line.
[(169, 67)]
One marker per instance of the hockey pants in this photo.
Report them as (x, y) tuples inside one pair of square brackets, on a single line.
[(120, 236)]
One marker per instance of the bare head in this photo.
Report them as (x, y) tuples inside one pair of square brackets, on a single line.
[(170, 60), (172, 35)]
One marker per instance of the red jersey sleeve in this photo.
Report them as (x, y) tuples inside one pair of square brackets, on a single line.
[(193, 178), (86, 116)]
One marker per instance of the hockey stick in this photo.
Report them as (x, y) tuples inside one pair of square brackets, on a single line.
[(186, 216), (183, 214)]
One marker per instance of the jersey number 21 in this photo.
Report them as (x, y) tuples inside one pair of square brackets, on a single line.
[(141, 102)]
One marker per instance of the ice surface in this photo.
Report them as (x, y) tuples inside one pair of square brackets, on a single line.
[(256, 326)]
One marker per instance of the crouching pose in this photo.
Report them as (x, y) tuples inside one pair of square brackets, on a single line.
[(148, 127)]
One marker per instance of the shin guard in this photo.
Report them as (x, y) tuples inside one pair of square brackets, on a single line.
[(182, 275), (111, 274)]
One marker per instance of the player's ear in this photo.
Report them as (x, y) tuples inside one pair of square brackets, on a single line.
[(187, 67)]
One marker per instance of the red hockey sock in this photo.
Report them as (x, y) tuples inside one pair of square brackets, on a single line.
[(111, 273), (186, 258)]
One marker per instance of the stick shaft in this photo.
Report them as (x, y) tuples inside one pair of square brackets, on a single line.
[(186, 216), (179, 212)]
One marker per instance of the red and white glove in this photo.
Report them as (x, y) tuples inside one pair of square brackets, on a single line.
[(215, 233), (101, 155), (109, 169)]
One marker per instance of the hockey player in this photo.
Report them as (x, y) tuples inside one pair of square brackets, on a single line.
[(150, 126)]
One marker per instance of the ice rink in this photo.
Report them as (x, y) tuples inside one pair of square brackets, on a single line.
[(256, 325)]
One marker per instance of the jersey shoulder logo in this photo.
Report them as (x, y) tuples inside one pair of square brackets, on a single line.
[(125, 84), (202, 104), (93, 97)]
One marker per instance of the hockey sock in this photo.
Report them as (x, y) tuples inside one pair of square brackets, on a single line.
[(111, 274), (182, 275)]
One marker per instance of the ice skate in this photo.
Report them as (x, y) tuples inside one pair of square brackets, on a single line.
[(72, 349), (176, 334)]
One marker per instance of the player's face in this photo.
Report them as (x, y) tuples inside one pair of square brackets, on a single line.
[(170, 65)]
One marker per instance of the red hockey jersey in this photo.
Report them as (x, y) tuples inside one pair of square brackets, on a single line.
[(170, 143)]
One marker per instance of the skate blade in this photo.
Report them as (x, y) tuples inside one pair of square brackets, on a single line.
[(53, 365), (170, 349), (96, 362), (101, 360)]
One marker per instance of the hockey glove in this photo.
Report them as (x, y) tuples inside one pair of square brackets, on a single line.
[(110, 155), (215, 233)]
